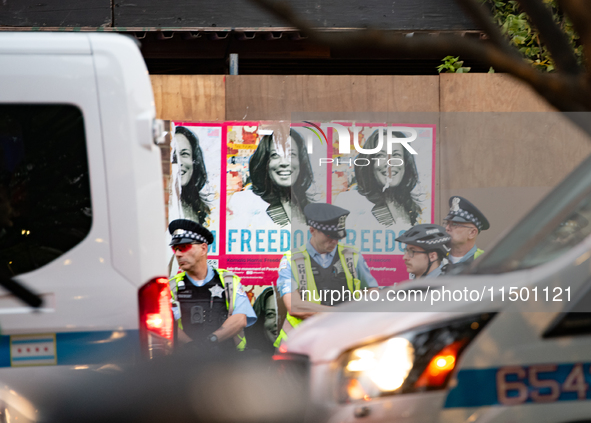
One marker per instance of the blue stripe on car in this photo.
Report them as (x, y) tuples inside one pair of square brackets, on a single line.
[(478, 387)]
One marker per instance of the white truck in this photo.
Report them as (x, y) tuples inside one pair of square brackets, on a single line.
[(81, 212)]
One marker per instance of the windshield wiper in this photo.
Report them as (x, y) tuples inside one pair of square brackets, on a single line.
[(21, 292)]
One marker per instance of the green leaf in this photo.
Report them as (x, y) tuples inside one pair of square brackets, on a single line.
[(515, 24)]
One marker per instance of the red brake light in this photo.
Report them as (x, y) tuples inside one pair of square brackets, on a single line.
[(156, 319)]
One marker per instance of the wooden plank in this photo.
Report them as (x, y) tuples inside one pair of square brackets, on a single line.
[(269, 97), (502, 147), (408, 99), (191, 98), (410, 15), (486, 92), (56, 13), (499, 126), (509, 149)]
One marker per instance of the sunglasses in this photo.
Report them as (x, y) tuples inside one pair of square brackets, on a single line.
[(183, 248)]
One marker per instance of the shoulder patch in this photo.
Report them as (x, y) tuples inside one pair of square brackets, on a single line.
[(283, 263), (241, 291)]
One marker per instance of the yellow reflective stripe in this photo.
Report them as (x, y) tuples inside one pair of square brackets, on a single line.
[(477, 253), (235, 281), (310, 276), (242, 345), (282, 336), (293, 321), (221, 275), (177, 278), (353, 284)]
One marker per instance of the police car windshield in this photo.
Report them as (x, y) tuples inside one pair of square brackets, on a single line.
[(561, 221)]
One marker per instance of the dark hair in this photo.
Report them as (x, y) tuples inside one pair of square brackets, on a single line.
[(190, 192), (260, 303), (401, 194), (264, 186), (256, 334)]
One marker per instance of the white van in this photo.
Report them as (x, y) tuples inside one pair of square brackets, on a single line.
[(511, 343), (81, 210)]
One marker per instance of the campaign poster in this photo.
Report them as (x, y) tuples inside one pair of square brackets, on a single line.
[(196, 178), (386, 192), (264, 162)]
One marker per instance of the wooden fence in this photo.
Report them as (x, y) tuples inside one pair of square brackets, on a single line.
[(498, 143)]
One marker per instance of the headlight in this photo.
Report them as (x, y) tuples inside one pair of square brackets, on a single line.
[(417, 360)]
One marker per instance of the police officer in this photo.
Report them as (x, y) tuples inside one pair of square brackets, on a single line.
[(463, 223), (210, 305), (321, 268), (426, 250)]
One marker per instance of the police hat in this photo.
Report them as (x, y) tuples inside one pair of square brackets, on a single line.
[(461, 210), (186, 231), (327, 218)]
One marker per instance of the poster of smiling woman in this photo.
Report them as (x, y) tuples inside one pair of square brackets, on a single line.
[(196, 176), (270, 180), (388, 188)]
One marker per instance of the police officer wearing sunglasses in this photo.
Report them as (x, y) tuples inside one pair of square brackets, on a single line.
[(209, 304), (463, 223)]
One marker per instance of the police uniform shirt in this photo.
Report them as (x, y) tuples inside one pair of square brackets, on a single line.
[(323, 260), (467, 256), (437, 272), (242, 305)]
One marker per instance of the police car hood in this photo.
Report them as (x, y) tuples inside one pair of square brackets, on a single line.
[(325, 336)]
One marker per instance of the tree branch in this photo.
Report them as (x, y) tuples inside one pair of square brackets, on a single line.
[(579, 12), (552, 37), (481, 17), (563, 93), (566, 92)]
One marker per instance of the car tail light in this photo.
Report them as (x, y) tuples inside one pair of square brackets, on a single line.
[(156, 319)]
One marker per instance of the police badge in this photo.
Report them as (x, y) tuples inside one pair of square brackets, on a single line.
[(455, 205)]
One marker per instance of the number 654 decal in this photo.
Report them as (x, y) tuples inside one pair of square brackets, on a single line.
[(541, 383)]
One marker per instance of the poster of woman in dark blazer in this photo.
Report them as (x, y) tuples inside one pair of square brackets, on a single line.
[(277, 183), (196, 179)]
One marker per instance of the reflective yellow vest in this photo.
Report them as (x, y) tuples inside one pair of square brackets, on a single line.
[(302, 272), (229, 281)]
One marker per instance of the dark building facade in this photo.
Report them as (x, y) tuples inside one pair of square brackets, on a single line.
[(197, 37)]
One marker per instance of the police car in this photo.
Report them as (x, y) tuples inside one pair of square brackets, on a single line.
[(510, 342), (81, 213)]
